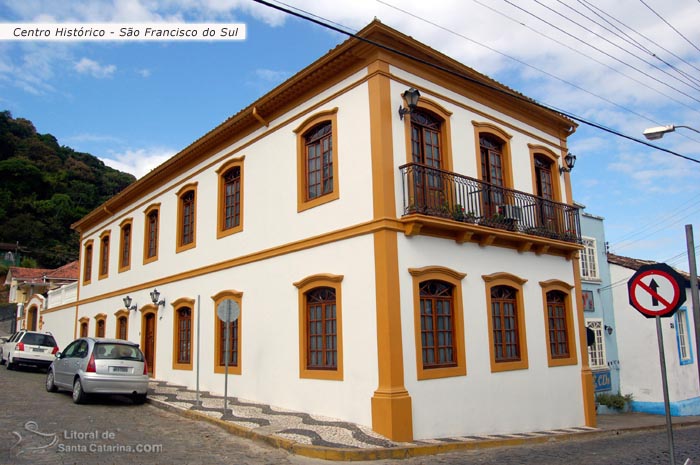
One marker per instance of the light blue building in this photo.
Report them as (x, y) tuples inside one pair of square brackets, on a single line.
[(598, 306)]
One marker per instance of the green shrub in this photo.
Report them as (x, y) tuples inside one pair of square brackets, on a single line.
[(614, 401)]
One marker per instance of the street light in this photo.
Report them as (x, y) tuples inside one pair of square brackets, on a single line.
[(659, 131)]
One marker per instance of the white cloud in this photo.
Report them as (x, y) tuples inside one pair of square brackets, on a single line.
[(139, 161), (272, 76), (94, 69), (144, 73)]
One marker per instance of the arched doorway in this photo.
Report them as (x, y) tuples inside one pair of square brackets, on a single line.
[(148, 338)]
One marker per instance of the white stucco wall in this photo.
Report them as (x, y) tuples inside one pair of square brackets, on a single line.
[(61, 324), (270, 330), (481, 401), (270, 197)]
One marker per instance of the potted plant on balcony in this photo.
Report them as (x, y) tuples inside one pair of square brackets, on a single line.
[(458, 212)]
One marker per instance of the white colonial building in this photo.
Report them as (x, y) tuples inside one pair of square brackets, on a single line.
[(638, 348), (412, 271)]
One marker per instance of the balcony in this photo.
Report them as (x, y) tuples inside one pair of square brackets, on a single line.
[(443, 203)]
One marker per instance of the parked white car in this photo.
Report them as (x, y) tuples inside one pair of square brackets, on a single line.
[(29, 348)]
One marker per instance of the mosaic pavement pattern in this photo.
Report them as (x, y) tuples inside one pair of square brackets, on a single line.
[(304, 428)]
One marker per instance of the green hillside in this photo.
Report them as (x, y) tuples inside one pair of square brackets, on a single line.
[(45, 187)]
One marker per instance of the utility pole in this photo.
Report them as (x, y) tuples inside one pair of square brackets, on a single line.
[(694, 290)]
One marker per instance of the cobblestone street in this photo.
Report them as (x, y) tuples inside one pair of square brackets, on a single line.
[(161, 436), (38, 427)]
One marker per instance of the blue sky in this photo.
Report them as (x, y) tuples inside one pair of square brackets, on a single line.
[(134, 104)]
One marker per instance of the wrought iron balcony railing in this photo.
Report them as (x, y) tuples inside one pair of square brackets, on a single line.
[(435, 192)]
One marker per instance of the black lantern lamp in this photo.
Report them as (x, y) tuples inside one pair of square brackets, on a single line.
[(569, 161), (155, 298), (127, 303), (411, 97)]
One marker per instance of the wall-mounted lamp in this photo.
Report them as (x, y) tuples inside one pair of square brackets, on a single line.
[(569, 161), (127, 304), (155, 296), (411, 97), (609, 329)]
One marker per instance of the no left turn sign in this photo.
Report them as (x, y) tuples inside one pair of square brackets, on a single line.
[(656, 290)]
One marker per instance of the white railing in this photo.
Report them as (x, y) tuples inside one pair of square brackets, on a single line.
[(63, 295)]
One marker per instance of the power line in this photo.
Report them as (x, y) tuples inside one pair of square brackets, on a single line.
[(629, 110), (590, 57), (670, 25), (665, 225), (591, 7), (590, 31), (475, 81), (602, 51), (628, 39), (682, 208)]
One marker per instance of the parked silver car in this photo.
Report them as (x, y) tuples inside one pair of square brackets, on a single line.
[(29, 348), (100, 366)]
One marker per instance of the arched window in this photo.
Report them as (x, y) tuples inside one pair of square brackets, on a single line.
[(317, 160), (232, 197), (84, 326), (437, 324), (104, 255), (125, 246), (558, 328), (559, 323), (150, 248), (321, 329), (184, 335), (234, 329), (506, 320), (425, 138), (187, 220), (87, 262), (504, 316), (122, 327)]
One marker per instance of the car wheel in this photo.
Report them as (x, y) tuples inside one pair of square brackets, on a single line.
[(2, 360), (50, 385), (78, 393), (139, 398)]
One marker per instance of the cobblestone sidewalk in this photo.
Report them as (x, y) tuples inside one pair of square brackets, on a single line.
[(303, 433)]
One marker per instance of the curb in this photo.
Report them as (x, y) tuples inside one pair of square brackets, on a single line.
[(399, 452)]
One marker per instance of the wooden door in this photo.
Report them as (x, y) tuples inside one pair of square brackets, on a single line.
[(149, 341)]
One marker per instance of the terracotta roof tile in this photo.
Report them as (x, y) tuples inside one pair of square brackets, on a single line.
[(635, 264)]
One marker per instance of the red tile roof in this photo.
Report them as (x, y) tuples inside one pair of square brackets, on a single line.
[(635, 264), (69, 272)]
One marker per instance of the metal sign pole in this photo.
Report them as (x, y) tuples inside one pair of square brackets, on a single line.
[(227, 311), (197, 401), (664, 381), (226, 351), (695, 298)]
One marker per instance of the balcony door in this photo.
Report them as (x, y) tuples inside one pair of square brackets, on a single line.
[(492, 173), (425, 150), (546, 211)]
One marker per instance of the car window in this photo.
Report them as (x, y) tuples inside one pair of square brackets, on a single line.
[(118, 351), (70, 350), (82, 350), (39, 340), (14, 337)]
